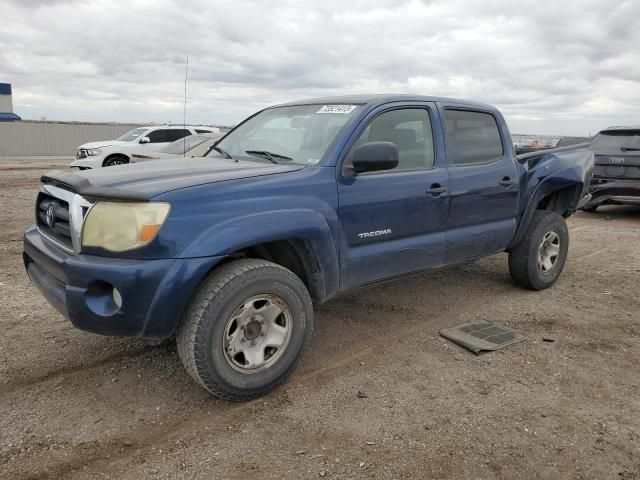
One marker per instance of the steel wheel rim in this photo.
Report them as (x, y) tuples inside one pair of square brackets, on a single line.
[(548, 251), (257, 334)]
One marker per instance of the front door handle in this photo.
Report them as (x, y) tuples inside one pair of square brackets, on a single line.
[(506, 182), (436, 189)]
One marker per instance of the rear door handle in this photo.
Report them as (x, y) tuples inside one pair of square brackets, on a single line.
[(506, 182), (436, 189)]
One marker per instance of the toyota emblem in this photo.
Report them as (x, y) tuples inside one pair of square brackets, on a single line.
[(51, 216)]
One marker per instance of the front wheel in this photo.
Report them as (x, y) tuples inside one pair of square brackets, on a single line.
[(245, 329), (115, 160), (537, 261)]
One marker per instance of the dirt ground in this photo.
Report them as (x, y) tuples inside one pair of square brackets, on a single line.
[(76, 405)]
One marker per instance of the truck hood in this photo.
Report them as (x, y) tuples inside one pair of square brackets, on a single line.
[(141, 181), (103, 143)]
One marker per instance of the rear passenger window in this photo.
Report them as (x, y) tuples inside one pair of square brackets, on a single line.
[(176, 134), (473, 137), (410, 130)]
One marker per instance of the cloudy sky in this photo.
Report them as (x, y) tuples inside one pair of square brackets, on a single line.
[(552, 67)]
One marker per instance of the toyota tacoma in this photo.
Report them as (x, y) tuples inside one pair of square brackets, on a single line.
[(298, 203)]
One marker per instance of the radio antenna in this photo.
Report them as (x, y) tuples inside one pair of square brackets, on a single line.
[(184, 114)]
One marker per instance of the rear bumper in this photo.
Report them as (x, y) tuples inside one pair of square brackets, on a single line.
[(152, 294), (586, 198), (614, 192)]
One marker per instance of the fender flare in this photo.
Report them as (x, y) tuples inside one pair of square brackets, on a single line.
[(548, 186), (257, 228)]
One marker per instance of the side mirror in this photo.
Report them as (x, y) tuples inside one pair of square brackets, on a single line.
[(374, 156), (145, 140)]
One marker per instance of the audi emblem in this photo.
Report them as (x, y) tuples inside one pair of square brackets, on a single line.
[(51, 216), (616, 160)]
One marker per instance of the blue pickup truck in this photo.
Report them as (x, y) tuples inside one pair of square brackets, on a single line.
[(298, 203)]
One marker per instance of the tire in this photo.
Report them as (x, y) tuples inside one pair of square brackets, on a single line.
[(524, 259), (246, 293), (115, 160)]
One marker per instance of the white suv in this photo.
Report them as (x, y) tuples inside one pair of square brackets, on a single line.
[(139, 140)]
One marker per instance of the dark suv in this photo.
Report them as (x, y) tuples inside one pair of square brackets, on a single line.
[(616, 177)]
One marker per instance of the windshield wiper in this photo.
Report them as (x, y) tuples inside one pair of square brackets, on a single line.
[(224, 153), (268, 155), (629, 149)]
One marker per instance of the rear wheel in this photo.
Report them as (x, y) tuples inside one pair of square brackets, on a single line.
[(245, 329), (115, 160), (537, 261)]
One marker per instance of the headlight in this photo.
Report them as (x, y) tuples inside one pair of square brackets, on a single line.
[(120, 226), (92, 152)]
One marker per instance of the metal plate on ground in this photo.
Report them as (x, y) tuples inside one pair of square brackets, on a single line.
[(480, 335)]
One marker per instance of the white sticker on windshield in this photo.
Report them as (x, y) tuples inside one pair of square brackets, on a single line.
[(337, 109)]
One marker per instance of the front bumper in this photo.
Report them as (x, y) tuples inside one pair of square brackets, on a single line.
[(152, 294), (88, 162), (614, 192)]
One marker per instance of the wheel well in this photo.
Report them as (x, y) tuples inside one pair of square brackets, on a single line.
[(295, 255), (109, 157), (561, 201)]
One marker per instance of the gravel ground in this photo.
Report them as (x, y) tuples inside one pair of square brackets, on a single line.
[(76, 405)]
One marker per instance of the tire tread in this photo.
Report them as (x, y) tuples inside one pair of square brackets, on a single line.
[(194, 317), (522, 266)]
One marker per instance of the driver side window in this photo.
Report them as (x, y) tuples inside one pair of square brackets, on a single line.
[(410, 130)]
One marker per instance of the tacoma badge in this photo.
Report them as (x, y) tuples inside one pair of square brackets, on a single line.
[(377, 233)]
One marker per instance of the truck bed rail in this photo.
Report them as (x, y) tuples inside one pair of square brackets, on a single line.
[(528, 156)]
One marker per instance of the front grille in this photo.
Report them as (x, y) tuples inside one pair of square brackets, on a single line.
[(52, 218), (617, 171)]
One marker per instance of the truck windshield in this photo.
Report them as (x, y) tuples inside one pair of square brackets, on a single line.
[(132, 135), (293, 134), (617, 140)]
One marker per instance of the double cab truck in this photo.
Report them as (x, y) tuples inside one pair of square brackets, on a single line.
[(301, 201)]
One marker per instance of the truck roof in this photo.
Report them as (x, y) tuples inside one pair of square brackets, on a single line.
[(630, 127), (378, 99)]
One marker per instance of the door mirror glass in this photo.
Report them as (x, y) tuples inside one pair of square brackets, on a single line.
[(375, 156), (145, 140)]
